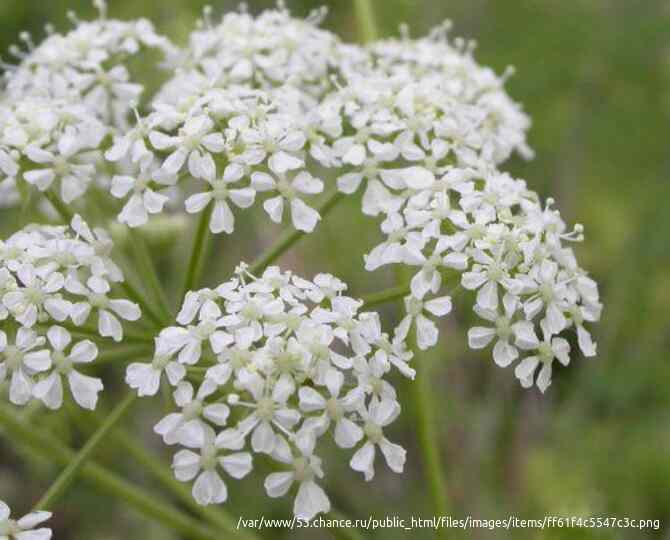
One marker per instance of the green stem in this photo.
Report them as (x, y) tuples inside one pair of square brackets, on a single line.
[(123, 354), (146, 503), (365, 17), (150, 272), (428, 437), (288, 238), (136, 297), (216, 516), (387, 295), (198, 251), (92, 333), (73, 468), (427, 433), (60, 207)]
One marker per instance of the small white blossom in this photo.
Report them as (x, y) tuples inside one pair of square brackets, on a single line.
[(84, 389), (304, 217), (379, 415), (109, 310), (21, 362), (25, 528), (209, 487), (310, 499)]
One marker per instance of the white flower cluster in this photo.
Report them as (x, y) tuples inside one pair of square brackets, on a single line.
[(63, 99), (428, 135), (271, 51), (60, 275), (277, 363), (233, 143), (275, 108), (23, 528), (86, 66)]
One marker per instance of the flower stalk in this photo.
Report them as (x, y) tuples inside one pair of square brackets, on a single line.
[(216, 516), (60, 207), (198, 251), (366, 20), (146, 503), (290, 237), (149, 270), (428, 436), (69, 474), (385, 296), (137, 297)]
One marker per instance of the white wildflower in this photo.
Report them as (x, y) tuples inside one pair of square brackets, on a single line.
[(24, 528)]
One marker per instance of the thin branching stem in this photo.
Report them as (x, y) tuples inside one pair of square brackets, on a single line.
[(288, 238), (367, 23), (122, 355), (146, 503), (92, 333), (425, 407), (387, 295), (216, 516), (198, 251), (144, 304), (422, 388), (73, 468), (63, 211), (142, 256)]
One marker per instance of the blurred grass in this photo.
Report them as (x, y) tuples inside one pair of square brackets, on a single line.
[(595, 77)]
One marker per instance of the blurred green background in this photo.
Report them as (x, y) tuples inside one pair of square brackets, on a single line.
[(595, 77)]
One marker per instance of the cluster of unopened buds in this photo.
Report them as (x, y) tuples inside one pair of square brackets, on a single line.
[(275, 109)]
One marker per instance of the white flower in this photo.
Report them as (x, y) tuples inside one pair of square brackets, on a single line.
[(578, 315), (304, 217), (270, 412), (379, 415), (84, 389), (111, 91), (546, 351), (9, 193), (189, 341), (8, 165), (426, 330), (429, 278), (485, 275), (131, 144), (38, 295), (96, 290), (66, 163), (100, 241), (186, 427), (195, 143), (335, 408), (310, 499), (504, 352), (148, 189), (20, 362), (25, 527), (209, 487), (370, 377), (549, 292), (198, 303), (146, 377), (222, 219)]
